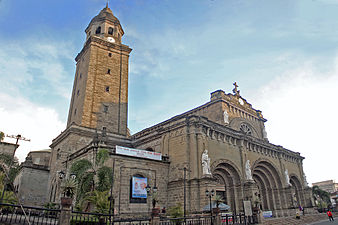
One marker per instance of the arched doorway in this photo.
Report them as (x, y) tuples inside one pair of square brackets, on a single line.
[(269, 184), (229, 185), (296, 191)]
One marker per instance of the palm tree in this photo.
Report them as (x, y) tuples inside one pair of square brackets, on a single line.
[(92, 176), (218, 199)]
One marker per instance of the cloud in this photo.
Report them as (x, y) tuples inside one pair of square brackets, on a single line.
[(38, 123), (301, 109), (37, 66)]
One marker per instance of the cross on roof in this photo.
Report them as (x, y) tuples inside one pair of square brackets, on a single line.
[(235, 91)]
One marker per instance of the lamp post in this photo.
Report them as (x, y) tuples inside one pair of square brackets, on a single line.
[(62, 175), (153, 191), (185, 170), (210, 194)]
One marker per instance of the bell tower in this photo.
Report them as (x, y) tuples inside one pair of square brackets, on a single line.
[(100, 91)]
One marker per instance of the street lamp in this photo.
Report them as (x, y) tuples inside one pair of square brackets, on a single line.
[(61, 174), (210, 194), (153, 192)]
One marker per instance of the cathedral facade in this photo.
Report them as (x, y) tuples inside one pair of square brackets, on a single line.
[(221, 145)]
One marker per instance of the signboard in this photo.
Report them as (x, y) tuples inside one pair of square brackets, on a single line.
[(247, 208), (138, 153), (139, 185), (267, 214)]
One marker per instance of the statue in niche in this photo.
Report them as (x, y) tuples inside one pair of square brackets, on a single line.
[(248, 170), (226, 117), (265, 135), (206, 163), (287, 178), (305, 181)]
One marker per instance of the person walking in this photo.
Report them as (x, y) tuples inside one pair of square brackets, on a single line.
[(329, 214)]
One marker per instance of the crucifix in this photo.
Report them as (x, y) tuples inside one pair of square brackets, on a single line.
[(235, 91)]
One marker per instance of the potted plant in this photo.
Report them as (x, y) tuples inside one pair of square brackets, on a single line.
[(68, 189), (218, 199)]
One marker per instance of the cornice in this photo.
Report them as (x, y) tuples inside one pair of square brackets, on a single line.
[(121, 48)]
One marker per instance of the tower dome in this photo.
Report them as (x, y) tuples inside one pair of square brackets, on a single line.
[(106, 26)]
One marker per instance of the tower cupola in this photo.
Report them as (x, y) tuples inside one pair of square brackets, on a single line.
[(106, 26)]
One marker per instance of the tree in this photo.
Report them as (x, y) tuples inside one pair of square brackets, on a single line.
[(322, 197), (100, 200), (176, 211), (92, 176), (8, 196), (2, 136), (218, 199), (9, 166)]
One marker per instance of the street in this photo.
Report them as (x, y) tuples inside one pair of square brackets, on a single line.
[(327, 222)]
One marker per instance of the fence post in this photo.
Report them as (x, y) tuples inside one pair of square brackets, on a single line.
[(155, 216), (66, 211), (218, 219)]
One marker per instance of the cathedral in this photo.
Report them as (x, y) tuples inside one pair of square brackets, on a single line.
[(221, 145)]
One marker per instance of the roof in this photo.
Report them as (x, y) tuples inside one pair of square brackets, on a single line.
[(41, 151), (105, 14)]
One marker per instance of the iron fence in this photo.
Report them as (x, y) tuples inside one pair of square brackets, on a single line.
[(85, 218), (196, 220), (230, 219), (15, 214)]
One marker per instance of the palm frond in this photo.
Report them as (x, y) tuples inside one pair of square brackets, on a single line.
[(101, 156), (105, 176), (80, 167), (100, 200)]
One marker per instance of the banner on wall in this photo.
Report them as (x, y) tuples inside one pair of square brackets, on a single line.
[(139, 185), (138, 153)]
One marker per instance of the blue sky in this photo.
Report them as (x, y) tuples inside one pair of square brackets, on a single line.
[(283, 55)]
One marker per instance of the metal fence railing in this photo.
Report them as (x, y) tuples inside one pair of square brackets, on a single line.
[(230, 219), (85, 218), (16, 214), (196, 220)]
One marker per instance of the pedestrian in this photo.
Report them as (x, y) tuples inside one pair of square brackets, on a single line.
[(297, 215), (163, 210), (329, 214), (301, 209)]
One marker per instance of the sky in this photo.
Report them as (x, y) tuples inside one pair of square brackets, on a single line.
[(283, 54)]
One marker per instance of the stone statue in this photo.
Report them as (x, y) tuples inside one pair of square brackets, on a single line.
[(206, 163), (248, 170), (265, 135), (287, 178), (226, 117), (305, 181)]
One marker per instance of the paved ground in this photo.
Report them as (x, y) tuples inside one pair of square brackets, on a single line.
[(326, 222)]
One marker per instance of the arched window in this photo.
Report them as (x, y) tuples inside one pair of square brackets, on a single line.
[(98, 30), (110, 30)]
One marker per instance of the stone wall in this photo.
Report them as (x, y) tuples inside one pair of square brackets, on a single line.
[(7, 148), (32, 185)]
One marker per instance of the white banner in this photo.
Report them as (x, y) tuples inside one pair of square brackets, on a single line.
[(267, 214), (138, 153)]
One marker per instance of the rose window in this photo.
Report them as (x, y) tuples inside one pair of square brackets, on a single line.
[(245, 129)]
